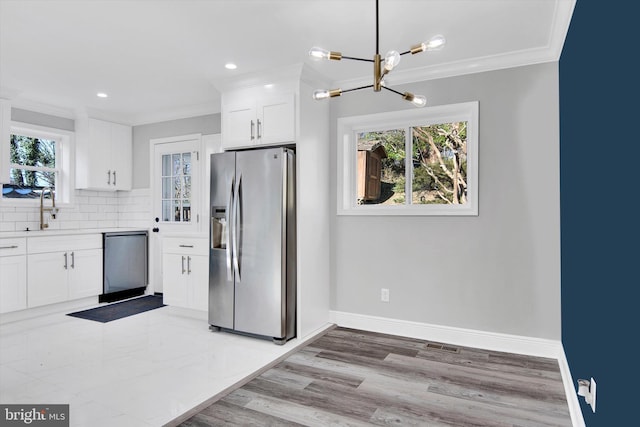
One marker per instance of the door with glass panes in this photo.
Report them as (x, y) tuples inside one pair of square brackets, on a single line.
[(175, 195)]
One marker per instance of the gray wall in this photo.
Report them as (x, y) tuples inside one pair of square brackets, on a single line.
[(497, 272), (209, 124), (31, 117)]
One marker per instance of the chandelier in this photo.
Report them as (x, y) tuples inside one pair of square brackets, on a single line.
[(380, 67)]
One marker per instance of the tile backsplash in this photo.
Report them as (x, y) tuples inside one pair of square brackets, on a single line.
[(90, 209)]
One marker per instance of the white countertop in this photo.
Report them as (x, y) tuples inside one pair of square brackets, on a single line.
[(42, 233)]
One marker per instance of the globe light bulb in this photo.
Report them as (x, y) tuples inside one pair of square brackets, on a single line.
[(391, 60), (436, 42)]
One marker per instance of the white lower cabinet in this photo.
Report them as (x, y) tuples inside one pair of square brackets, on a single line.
[(185, 272), (61, 269), (13, 275), (85, 276), (48, 278)]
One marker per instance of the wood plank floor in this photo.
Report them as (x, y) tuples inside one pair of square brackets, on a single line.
[(350, 377)]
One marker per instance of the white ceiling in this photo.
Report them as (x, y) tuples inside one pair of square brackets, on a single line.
[(161, 59)]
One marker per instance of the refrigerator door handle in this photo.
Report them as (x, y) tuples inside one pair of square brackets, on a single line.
[(237, 213), (229, 248)]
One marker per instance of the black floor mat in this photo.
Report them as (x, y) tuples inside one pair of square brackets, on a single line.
[(119, 310)]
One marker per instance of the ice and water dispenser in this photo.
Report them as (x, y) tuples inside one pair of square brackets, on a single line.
[(219, 229)]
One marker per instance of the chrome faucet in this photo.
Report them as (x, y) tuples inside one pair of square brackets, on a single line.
[(53, 210)]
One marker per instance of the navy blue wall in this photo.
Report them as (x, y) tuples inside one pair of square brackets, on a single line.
[(599, 187)]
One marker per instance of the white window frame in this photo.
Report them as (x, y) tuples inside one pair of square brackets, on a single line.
[(348, 127), (64, 160)]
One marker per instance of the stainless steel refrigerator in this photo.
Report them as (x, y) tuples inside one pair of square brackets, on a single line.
[(252, 263)]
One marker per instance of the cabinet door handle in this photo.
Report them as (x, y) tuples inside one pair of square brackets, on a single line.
[(186, 246), (188, 265), (73, 260), (259, 130), (183, 270), (109, 177), (9, 247), (114, 177), (252, 124), (66, 264)]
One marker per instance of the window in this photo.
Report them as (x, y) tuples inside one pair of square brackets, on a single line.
[(413, 162), (38, 159), (176, 187)]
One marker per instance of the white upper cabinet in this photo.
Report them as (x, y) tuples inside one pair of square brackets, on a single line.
[(121, 156), (277, 119), (103, 155), (258, 116), (5, 125)]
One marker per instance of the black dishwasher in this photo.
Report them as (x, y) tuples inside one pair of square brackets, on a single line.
[(125, 264)]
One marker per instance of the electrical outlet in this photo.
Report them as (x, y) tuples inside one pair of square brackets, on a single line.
[(587, 389), (593, 395), (384, 295)]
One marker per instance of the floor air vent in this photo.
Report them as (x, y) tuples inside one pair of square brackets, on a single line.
[(443, 347)]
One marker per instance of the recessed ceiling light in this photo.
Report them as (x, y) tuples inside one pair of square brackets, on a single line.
[(230, 66), (268, 85), (102, 95)]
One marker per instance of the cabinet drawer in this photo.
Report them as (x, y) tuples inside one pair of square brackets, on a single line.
[(186, 245), (64, 243), (14, 246)]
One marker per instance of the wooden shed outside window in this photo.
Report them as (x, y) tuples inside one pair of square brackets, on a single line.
[(369, 170)]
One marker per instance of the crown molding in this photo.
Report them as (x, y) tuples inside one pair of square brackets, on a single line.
[(37, 107), (287, 73), (185, 112), (459, 68), (212, 107)]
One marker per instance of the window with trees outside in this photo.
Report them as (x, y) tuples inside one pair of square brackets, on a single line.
[(38, 159), (413, 162)]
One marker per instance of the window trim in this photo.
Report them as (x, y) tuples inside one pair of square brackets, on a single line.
[(347, 127), (65, 161)]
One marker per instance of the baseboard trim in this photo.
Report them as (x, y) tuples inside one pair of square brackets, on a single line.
[(61, 307), (575, 411), (451, 335), (471, 338)]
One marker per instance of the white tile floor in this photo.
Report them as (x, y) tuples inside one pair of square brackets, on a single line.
[(143, 370)]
